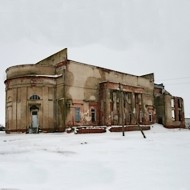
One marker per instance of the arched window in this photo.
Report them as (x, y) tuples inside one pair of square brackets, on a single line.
[(34, 97)]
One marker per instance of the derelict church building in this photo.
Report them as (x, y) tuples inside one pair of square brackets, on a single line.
[(57, 93)]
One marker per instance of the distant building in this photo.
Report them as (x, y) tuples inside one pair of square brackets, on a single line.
[(57, 93), (187, 123)]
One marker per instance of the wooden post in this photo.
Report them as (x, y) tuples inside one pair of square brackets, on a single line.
[(121, 110), (141, 131)]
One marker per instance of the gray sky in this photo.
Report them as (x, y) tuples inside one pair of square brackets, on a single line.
[(132, 36)]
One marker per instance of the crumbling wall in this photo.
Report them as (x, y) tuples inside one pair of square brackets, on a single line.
[(169, 109), (174, 112)]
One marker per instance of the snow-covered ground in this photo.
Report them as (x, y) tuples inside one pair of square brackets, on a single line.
[(109, 161)]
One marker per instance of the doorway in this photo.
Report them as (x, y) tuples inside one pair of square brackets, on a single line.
[(34, 119), (34, 125)]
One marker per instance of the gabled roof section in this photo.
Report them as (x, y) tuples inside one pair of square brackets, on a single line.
[(55, 59), (149, 76), (60, 58)]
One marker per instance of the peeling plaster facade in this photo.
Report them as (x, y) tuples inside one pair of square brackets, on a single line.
[(57, 93)]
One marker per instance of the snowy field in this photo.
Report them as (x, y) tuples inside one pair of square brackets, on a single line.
[(109, 161)]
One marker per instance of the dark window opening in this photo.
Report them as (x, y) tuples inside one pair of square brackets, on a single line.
[(160, 120), (93, 115), (77, 114), (34, 113), (180, 117), (34, 107), (150, 117), (179, 103)]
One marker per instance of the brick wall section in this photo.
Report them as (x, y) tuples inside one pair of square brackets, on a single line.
[(90, 130), (129, 128)]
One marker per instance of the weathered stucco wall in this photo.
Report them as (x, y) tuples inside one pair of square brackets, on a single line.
[(82, 87), (86, 79), (19, 90), (67, 93)]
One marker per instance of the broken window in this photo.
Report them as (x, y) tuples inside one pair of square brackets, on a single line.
[(173, 115), (77, 114), (93, 115), (179, 103), (180, 117), (172, 102)]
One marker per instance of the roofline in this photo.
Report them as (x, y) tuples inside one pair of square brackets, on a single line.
[(35, 76), (65, 49), (110, 70)]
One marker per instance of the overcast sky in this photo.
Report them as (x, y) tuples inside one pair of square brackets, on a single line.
[(132, 36)]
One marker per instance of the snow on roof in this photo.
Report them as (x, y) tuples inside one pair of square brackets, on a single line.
[(49, 76)]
